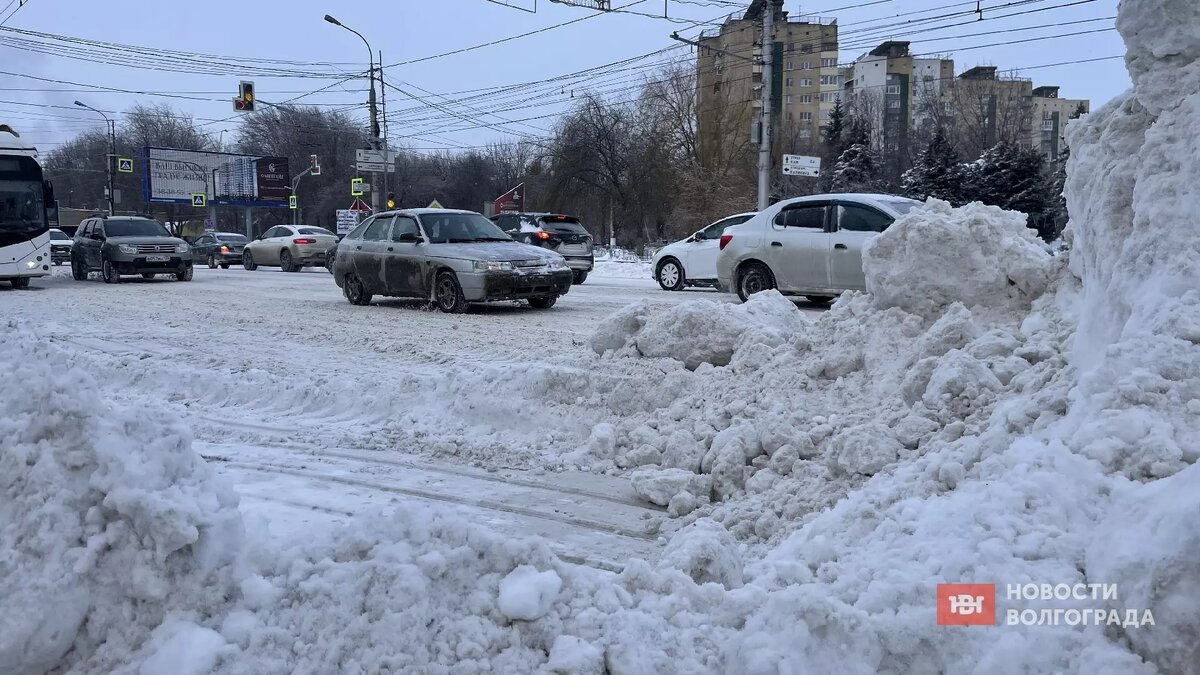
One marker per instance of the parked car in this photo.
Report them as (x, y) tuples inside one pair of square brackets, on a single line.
[(289, 247), (60, 246), (693, 261), (453, 258), (124, 245), (219, 248), (810, 246), (562, 234)]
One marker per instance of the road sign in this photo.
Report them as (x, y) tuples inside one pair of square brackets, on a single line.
[(292, 202), (356, 187), (435, 205), (360, 206), (199, 199), (209, 225), (375, 167), (347, 220), (124, 165), (375, 156), (801, 171), (811, 166)]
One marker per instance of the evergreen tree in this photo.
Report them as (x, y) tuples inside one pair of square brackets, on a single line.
[(833, 133), (1057, 216), (857, 170), (936, 173), (1009, 176)]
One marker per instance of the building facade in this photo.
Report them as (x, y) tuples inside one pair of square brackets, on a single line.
[(1050, 117)]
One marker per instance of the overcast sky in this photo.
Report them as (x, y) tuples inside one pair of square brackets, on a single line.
[(407, 30)]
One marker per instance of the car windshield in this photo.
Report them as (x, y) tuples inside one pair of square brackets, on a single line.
[(59, 235), (21, 206), (134, 228), (902, 206), (453, 228), (315, 231), (232, 238)]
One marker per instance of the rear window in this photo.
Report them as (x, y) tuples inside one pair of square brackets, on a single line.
[(237, 238), (315, 231), (562, 224)]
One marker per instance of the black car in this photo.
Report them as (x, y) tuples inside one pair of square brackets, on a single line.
[(60, 247), (219, 248), (123, 245), (560, 233)]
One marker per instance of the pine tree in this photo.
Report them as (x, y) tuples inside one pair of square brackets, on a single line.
[(857, 170), (936, 173), (1057, 216), (1008, 176), (832, 134)]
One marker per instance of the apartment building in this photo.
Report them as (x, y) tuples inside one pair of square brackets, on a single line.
[(1050, 116), (805, 86)]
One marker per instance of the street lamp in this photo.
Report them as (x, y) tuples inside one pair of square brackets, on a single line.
[(370, 97), (112, 152)]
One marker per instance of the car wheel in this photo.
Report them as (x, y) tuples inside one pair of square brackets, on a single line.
[(819, 299), (147, 275), (543, 303), (212, 262), (448, 294), (185, 274), (354, 291), (670, 275), (579, 277), (285, 261), (224, 266), (109, 272), (754, 278), (78, 271), (248, 261), (20, 282)]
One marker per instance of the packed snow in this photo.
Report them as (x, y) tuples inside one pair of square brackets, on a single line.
[(1017, 418)]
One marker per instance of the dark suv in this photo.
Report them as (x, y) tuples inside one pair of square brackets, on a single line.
[(123, 245), (564, 235)]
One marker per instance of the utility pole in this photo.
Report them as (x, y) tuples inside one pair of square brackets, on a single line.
[(373, 109), (112, 153), (383, 104), (764, 139)]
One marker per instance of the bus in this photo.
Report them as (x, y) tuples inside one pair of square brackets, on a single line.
[(27, 209)]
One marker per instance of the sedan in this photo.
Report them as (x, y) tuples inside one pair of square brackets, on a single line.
[(219, 248), (453, 258), (60, 246), (810, 246), (289, 247), (693, 261)]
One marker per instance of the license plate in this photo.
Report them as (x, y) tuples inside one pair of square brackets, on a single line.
[(157, 258)]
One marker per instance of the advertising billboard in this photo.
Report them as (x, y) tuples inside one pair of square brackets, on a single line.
[(512, 201), (177, 176)]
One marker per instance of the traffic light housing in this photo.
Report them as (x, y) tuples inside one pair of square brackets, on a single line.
[(391, 200), (245, 98)]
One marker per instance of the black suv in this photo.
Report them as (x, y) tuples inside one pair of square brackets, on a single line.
[(564, 235), (118, 245)]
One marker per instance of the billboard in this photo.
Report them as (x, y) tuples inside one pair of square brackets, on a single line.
[(176, 176), (512, 201)]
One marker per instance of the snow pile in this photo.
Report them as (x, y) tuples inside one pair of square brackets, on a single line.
[(976, 255), (700, 331), (623, 269)]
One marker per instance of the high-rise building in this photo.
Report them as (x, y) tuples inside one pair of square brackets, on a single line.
[(1050, 117), (805, 84)]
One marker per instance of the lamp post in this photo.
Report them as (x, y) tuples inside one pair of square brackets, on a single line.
[(112, 152), (370, 103)]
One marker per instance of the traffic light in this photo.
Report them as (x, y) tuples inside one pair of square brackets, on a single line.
[(245, 98), (391, 200)]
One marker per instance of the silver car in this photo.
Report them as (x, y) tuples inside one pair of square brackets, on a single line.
[(290, 247), (453, 258), (810, 246)]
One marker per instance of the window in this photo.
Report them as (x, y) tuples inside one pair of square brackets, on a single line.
[(894, 104), (825, 114), (805, 117), (806, 98), (791, 65), (715, 230), (135, 227), (806, 133), (829, 97), (806, 82), (357, 232), (927, 78), (893, 89), (230, 236), (1047, 125), (377, 231), (716, 87), (404, 225), (509, 222), (203, 240), (274, 232), (789, 116), (787, 99), (855, 218), (789, 82), (807, 65), (806, 48), (442, 228), (829, 79), (829, 63), (806, 216), (315, 231)]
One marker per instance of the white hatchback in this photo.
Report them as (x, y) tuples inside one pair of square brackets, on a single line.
[(693, 261), (809, 246)]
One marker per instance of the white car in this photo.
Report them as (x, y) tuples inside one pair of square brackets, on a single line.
[(289, 247), (809, 246), (693, 261)]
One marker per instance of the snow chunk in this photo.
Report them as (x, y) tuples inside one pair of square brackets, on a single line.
[(183, 648), (573, 656), (700, 331), (527, 594), (658, 486), (706, 552), (864, 449), (975, 254)]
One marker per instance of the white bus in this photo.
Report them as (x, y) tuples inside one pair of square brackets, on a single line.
[(27, 208)]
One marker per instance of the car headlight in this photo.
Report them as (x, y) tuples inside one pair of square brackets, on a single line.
[(492, 266), (127, 249), (182, 248), (558, 264)]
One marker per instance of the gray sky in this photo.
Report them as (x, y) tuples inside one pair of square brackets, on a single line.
[(406, 30)]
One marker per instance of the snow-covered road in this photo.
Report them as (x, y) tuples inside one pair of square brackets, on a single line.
[(315, 408)]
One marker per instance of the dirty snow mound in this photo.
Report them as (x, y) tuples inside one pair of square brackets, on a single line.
[(975, 254), (700, 331)]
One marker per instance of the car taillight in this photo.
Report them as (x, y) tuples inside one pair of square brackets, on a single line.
[(542, 235), (303, 240), (725, 239)]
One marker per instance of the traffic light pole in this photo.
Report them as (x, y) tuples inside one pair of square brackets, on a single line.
[(112, 153)]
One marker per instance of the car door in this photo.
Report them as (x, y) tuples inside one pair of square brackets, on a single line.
[(701, 253), (203, 246), (797, 247), (95, 244), (402, 259), (368, 254), (856, 223), (259, 247), (80, 245)]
